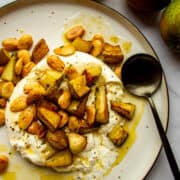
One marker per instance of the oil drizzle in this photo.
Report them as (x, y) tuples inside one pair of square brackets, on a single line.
[(131, 126)]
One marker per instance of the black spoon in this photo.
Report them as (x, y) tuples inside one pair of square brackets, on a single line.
[(141, 76)]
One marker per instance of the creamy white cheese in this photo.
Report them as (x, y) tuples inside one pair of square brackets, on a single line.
[(100, 153)]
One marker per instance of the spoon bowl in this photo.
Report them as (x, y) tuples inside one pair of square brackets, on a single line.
[(141, 76)]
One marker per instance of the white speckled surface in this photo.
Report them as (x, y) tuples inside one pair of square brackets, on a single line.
[(149, 26)]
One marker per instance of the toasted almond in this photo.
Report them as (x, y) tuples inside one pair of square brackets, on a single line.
[(65, 50), (75, 32), (3, 163), (27, 68), (55, 63), (10, 44), (97, 47), (19, 104), (25, 42), (2, 117), (19, 66)]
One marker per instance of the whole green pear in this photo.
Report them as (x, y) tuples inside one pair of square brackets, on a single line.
[(170, 25)]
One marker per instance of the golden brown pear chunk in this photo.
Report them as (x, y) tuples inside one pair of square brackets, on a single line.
[(50, 118), (9, 70), (40, 50), (126, 110), (60, 159), (57, 139), (78, 87), (92, 72), (102, 114), (50, 80), (4, 57), (118, 135), (77, 142), (112, 54)]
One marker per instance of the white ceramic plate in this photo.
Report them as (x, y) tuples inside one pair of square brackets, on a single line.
[(46, 19)]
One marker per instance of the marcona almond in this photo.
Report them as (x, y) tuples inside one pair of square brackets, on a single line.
[(3, 163), (25, 42), (25, 55), (2, 117), (27, 68), (75, 32), (66, 50), (97, 47), (19, 66), (19, 104), (55, 63), (10, 44)]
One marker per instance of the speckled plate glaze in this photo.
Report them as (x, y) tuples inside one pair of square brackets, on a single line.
[(46, 19)]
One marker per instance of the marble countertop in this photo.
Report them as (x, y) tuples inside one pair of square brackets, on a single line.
[(149, 26)]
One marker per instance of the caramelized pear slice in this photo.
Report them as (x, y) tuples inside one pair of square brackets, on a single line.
[(77, 142)]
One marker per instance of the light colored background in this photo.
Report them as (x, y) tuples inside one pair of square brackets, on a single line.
[(149, 26)]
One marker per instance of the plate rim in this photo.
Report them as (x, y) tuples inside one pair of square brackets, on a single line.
[(6, 3)]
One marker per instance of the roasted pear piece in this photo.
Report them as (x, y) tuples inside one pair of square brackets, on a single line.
[(50, 80), (50, 118), (126, 110), (35, 92), (91, 114), (92, 72), (77, 107), (71, 72), (64, 119), (37, 128), (4, 56), (9, 70), (102, 114), (77, 142), (48, 105), (78, 87), (118, 135), (73, 124), (82, 45), (112, 54), (60, 159), (40, 50), (57, 139)]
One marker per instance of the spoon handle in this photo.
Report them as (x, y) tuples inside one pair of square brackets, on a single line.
[(167, 147)]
